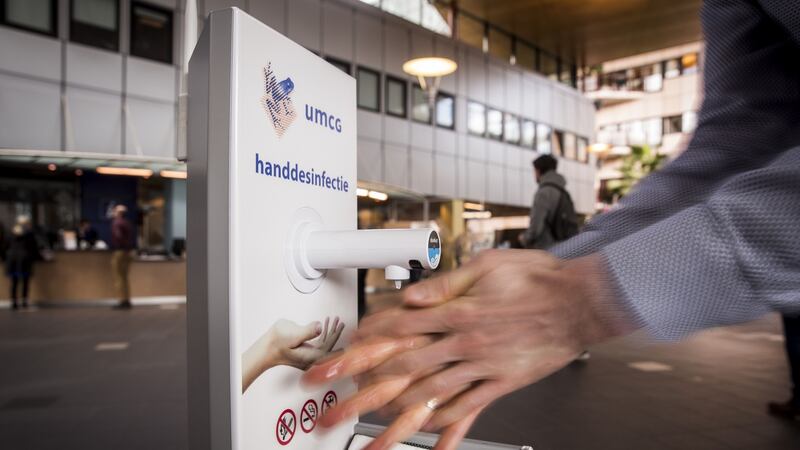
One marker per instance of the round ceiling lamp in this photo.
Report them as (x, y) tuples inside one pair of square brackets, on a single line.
[(430, 67), (429, 71)]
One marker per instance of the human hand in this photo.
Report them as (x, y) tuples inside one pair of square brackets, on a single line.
[(290, 344), (503, 321)]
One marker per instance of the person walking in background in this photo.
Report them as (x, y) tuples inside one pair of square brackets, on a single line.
[(552, 217), (21, 252), (122, 243), (790, 409)]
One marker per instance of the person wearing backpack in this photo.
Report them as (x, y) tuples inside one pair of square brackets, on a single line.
[(553, 217)]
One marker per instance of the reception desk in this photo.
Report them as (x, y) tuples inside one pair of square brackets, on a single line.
[(75, 276)]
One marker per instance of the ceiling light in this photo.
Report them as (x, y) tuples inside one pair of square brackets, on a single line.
[(379, 196), (179, 174), (362, 192), (474, 206), (129, 171), (433, 66)]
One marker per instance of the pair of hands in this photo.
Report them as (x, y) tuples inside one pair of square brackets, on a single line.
[(289, 344), (460, 341)]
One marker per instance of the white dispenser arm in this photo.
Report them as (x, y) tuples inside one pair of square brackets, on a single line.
[(311, 249), (395, 251)]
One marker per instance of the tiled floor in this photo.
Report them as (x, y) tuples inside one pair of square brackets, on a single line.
[(57, 391)]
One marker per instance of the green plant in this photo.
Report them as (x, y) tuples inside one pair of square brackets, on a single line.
[(641, 162)]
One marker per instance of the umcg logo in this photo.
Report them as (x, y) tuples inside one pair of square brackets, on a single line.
[(277, 101)]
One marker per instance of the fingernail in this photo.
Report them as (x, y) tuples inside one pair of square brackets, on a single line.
[(318, 328)]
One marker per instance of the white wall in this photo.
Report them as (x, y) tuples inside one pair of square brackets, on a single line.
[(117, 104)]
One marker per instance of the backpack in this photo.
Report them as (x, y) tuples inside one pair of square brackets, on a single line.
[(565, 222)]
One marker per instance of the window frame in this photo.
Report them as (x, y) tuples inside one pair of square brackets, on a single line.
[(483, 106), (339, 63), (393, 79), (417, 87), (72, 23), (522, 122), (132, 33), (501, 136), (53, 20), (439, 96), (378, 89)]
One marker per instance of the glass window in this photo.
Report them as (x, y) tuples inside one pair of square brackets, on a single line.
[(95, 23), (476, 118), (653, 79), (591, 81), (689, 63), (672, 124), (511, 129), (570, 146), (420, 107), (499, 44), (470, 30), (635, 132), (344, 66), (672, 68), (567, 75), (689, 120), (583, 149), (395, 97), (437, 17), (543, 144), (445, 110), (494, 123), (652, 131), (151, 32), (528, 133), (369, 88), (557, 139), (410, 10), (548, 65), (525, 56), (31, 15)]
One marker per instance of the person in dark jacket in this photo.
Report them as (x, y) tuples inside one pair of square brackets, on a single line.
[(122, 243), (539, 233), (21, 252)]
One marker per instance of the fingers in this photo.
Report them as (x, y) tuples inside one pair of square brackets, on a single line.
[(297, 334), (445, 287), (360, 358), (405, 322), (465, 404), (454, 433), (325, 329), (365, 400), (438, 385), (336, 332), (404, 426)]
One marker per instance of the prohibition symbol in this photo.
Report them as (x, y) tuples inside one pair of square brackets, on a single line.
[(308, 416), (329, 401), (286, 427)]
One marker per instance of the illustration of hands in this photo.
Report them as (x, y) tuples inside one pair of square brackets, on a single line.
[(287, 343)]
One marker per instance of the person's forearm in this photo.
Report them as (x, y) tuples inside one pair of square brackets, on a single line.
[(256, 360), (728, 260)]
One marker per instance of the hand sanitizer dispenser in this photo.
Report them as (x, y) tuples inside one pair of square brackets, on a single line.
[(312, 248)]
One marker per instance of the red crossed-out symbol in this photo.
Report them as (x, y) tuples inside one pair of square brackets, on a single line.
[(328, 401), (286, 427), (308, 416)]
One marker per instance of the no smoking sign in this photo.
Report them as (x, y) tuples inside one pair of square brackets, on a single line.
[(286, 427), (308, 416)]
